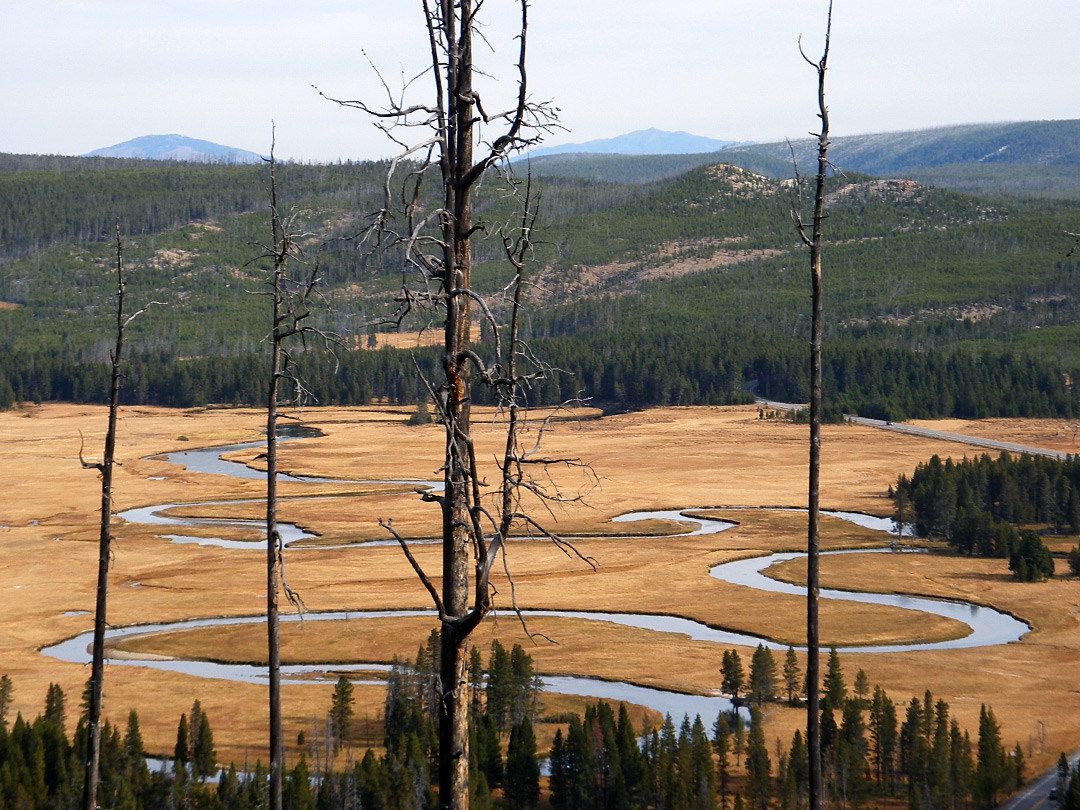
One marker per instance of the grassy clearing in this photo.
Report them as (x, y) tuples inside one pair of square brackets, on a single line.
[(669, 458)]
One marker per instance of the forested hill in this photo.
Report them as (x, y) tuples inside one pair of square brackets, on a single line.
[(686, 289), (46, 200), (1031, 159), (1028, 143)]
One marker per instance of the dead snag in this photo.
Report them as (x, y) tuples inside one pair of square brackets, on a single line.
[(105, 467), (434, 232), (812, 238)]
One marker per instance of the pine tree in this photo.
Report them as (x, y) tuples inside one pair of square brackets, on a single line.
[(522, 768), (792, 674), (630, 755), (883, 739), (962, 762), (913, 748), (194, 724), (1071, 795), (55, 712), (738, 737), (1017, 766), (702, 772), (758, 765), (6, 691), (611, 782), (833, 685), (862, 686), (991, 771), (134, 767), (488, 753), (476, 684), (341, 711), (732, 674), (762, 684), (298, 791), (479, 789), (579, 766), (498, 693), (799, 767), (851, 764), (722, 746), (557, 780), (940, 766), (203, 754), (182, 749)]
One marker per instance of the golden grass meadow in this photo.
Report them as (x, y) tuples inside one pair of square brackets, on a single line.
[(724, 459)]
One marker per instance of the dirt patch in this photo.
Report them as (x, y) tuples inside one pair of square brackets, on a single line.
[(907, 190), (172, 258)]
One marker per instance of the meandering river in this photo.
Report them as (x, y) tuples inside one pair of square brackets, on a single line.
[(987, 626)]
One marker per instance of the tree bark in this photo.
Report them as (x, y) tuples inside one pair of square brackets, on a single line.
[(97, 667), (273, 649), (471, 535), (273, 652), (289, 309), (813, 709), (457, 161)]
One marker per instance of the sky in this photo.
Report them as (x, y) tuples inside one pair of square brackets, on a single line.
[(84, 74)]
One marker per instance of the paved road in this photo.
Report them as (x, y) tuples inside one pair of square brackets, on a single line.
[(1035, 793), (991, 444)]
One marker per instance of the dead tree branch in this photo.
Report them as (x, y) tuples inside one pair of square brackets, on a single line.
[(811, 236), (435, 232)]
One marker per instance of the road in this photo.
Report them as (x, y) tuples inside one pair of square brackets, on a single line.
[(1035, 793), (911, 430), (991, 444)]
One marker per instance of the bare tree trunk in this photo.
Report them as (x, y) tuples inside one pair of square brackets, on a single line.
[(97, 667), (438, 249), (453, 705), (814, 242), (273, 650), (289, 308)]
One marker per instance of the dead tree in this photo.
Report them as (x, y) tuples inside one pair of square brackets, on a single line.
[(290, 307), (105, 468), (812, 238), (436, 240)]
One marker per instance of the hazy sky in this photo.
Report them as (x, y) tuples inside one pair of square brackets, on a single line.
[(83, 74)]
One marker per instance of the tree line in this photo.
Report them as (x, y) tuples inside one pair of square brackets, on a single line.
[(868, 754), (976, 504), (609, 367), (41, 768), (873, 748), (904, 264)]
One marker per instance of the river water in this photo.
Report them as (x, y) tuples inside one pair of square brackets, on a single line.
[(988, 626)]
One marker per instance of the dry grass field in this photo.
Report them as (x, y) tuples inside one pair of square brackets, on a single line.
[(659, 459)]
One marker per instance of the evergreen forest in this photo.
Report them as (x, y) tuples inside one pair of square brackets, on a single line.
[(874, 750), (976, 505), (674, 283)]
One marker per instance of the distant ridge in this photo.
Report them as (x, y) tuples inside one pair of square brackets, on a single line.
[(1019, 159), (650, 141), (1034, 143), (176, 147)]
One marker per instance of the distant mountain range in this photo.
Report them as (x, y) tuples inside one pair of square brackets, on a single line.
[(1024, 159), (642, 142), (1038, 143), (176, 147), (1028, 158)]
